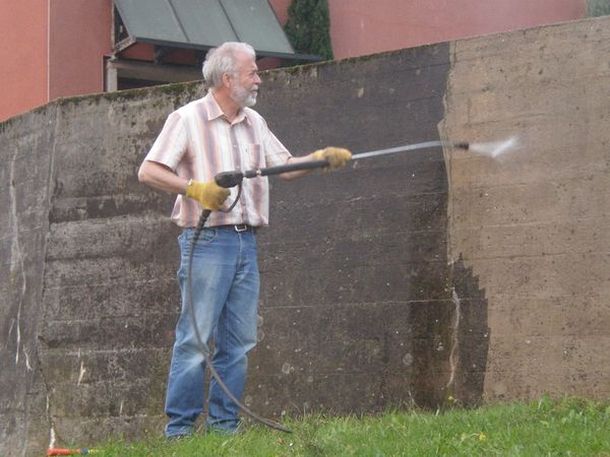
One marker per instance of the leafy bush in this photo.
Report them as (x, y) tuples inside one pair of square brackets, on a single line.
[(308, 27), (598, 7)]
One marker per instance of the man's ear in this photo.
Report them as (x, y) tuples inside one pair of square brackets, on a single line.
[(226, 79)]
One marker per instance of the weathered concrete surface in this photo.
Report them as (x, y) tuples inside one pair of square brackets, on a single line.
[(354, 270), (356, 308), (109, 300), (532, 224), (24, 203), (382, 284), (77, 232)]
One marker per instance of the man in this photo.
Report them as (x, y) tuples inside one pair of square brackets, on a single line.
[(216, 133)]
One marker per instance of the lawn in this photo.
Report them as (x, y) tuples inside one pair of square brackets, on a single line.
[(566, 427)]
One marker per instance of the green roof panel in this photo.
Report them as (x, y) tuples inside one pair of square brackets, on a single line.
[(255, 23), (202, 24), (150, 19)]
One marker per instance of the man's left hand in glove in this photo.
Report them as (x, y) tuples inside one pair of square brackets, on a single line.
[(336, 157)]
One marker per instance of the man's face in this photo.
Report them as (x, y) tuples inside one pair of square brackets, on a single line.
[(245, 84)]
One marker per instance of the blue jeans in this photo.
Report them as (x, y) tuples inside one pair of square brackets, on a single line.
[(225, 290)]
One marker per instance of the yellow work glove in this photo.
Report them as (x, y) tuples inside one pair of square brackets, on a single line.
[(209, 194), (337, 157)]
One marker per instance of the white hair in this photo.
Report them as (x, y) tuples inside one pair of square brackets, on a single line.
[(221, 60)]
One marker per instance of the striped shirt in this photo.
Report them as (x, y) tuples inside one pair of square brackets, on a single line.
[(197, 141)]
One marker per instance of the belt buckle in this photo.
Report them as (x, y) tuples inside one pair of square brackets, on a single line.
[(240, 227)]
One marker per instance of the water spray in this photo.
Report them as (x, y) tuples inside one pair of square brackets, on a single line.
[(493, 149)]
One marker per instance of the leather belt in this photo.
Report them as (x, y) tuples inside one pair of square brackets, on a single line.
[(238, 227)]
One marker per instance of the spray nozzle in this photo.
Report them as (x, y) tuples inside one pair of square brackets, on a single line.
[(462, 145)]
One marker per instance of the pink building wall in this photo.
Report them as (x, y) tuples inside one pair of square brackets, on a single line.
[(56, 48), (358, 28), (80, 36), (23, 56), (51, 49), (281, 9)]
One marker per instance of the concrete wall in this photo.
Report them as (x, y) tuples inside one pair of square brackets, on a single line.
[(384, 284), (69, 211), (25, 144), (532, 224)]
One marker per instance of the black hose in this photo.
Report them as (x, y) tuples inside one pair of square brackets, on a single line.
[(203, 347), (234, 178)]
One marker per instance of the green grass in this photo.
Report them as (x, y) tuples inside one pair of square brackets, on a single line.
[(567, 427)]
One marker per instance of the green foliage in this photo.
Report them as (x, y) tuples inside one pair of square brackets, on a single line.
[(566, 427), (308, 27), (598, 7)]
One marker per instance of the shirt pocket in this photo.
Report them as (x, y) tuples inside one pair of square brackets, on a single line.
[(254, 156)]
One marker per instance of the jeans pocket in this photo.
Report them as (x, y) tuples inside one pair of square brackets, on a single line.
[(185, 239), (188, 249), (207, 235)]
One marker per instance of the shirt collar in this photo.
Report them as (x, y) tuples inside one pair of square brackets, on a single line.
[(215, 112)]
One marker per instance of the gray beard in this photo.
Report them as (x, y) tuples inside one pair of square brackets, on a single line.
[(243, 97)]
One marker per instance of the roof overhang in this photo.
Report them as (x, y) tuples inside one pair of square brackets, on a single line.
[(204, 24)]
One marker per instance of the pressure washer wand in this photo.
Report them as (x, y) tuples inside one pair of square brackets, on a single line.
[(229, 179), (411, 147)]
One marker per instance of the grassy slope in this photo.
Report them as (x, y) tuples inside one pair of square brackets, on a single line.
[(569, 427)]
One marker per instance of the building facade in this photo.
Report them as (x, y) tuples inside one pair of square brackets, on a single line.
[(62, 48)]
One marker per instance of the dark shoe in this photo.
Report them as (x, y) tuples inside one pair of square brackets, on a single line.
[(176, 437), (226, 431)]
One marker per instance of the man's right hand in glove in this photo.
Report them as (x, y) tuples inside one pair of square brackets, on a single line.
[(209, 194)]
